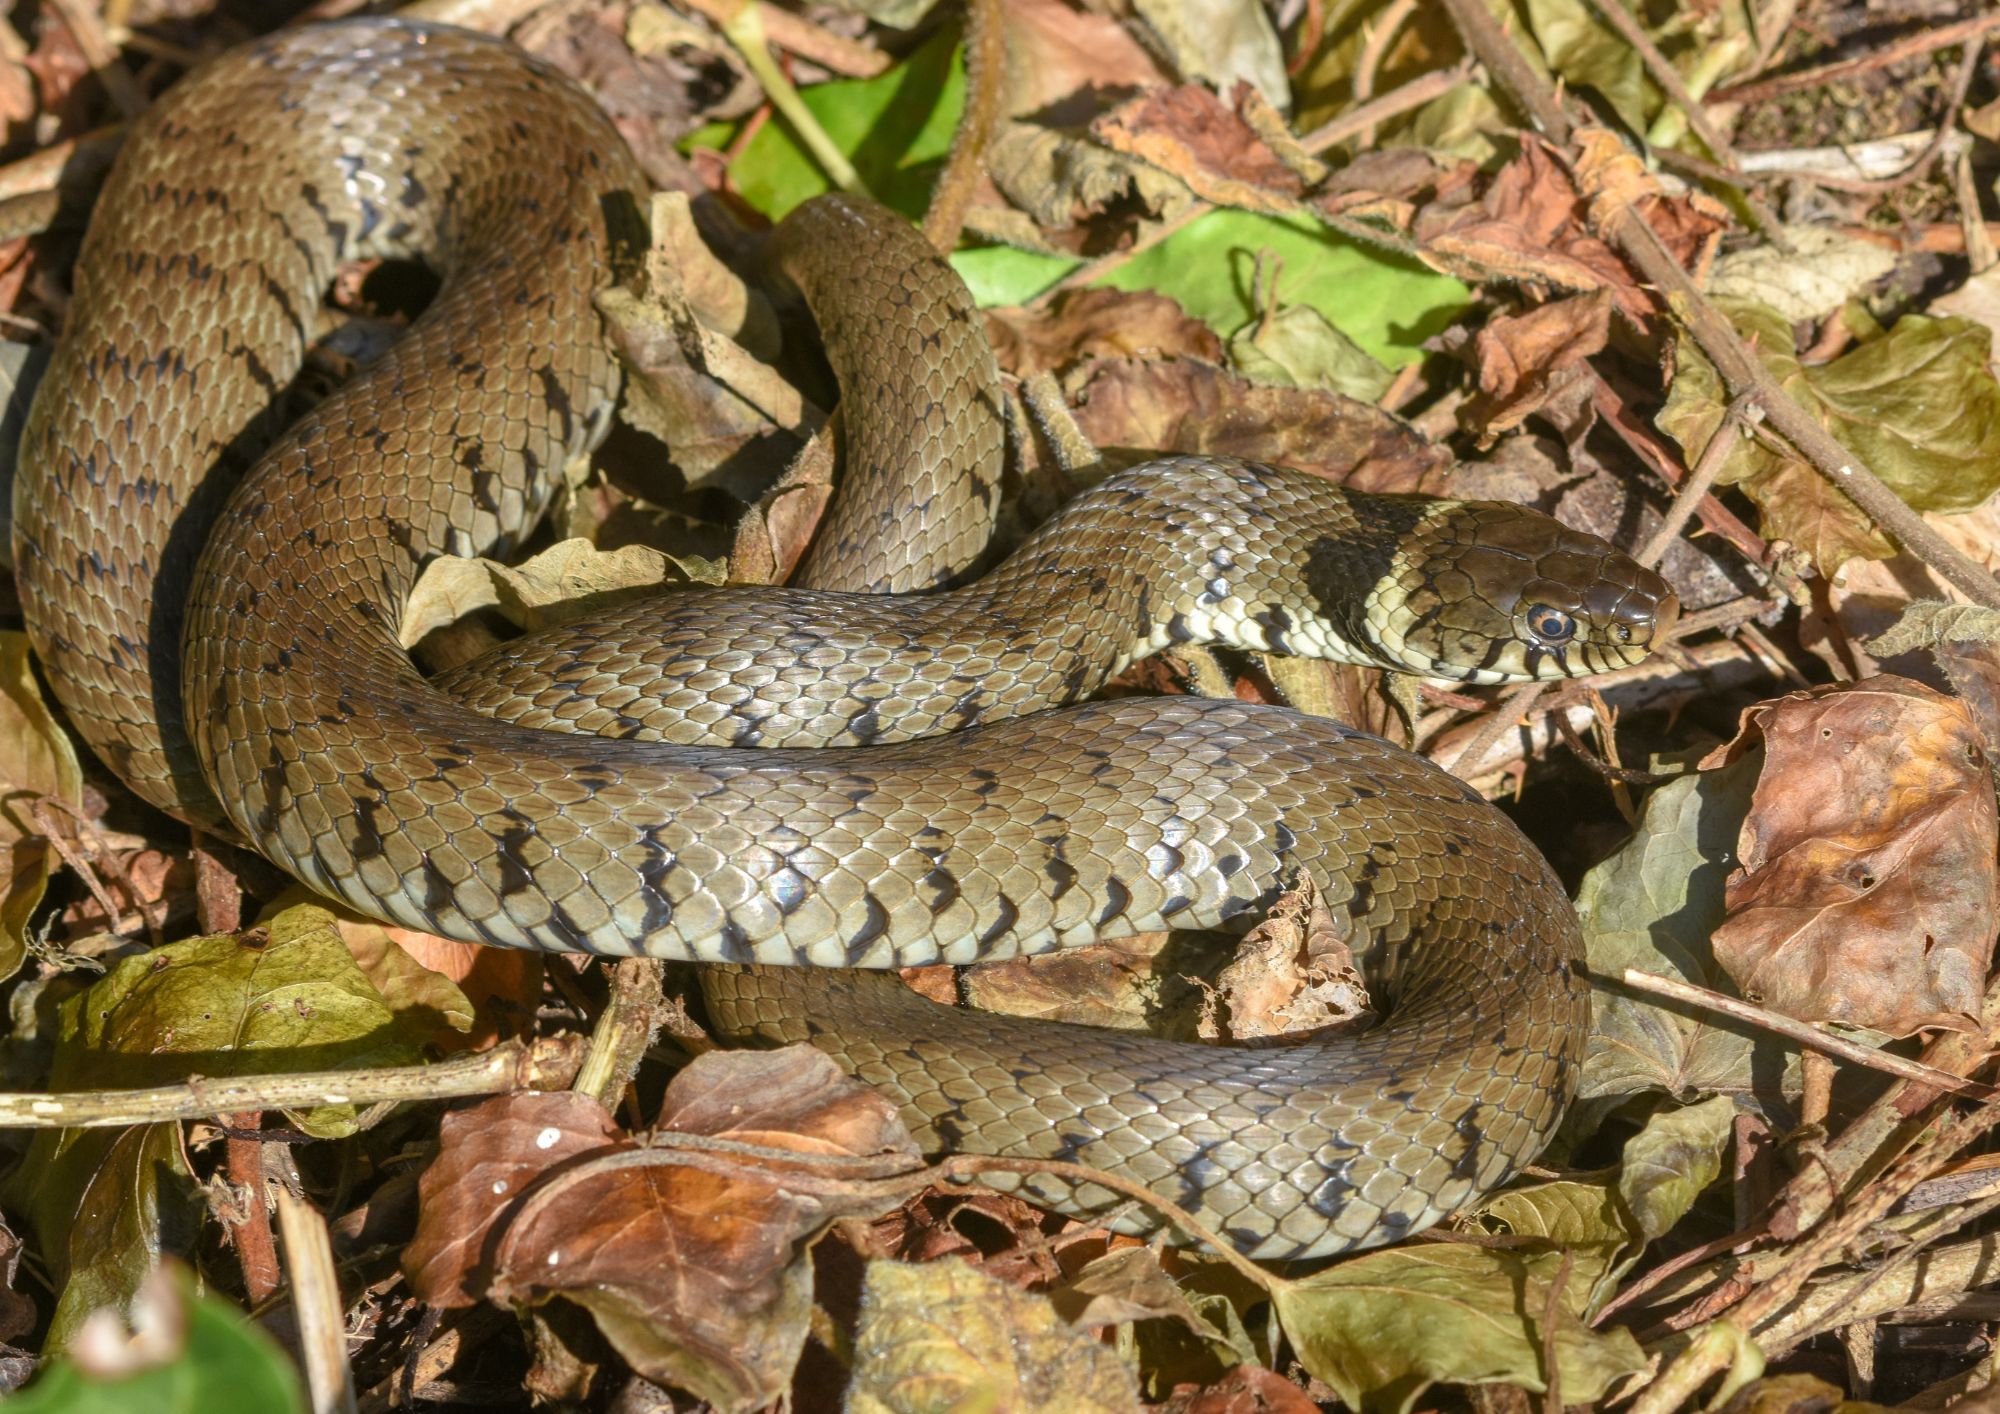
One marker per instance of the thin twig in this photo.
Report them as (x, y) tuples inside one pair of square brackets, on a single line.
[(1484, 37), (1806, 1034), (1922, 41), (1397, 101), (1373, 49), (315, 1290), (1961, 85), (1506, 718), (508, 1066), (1688, 495)]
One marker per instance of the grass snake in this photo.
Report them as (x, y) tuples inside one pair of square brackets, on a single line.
[(220, 621)]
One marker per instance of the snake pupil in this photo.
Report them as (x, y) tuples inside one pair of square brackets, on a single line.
[(1551, 625)]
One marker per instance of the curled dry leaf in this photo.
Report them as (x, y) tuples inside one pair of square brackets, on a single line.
[(1097, 323), (945, 1335), (690, 1259), (1182, 405), (1059, 53), (1867, 892), (1247, 1389), (1193, 134), (1293, 974), (1525, 359), (563, 582), (1528, 226)]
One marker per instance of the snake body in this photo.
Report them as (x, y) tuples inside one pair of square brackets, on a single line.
[(594, 790)]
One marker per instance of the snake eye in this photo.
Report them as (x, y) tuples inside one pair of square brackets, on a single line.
[(1624, 632), (1551, 625)]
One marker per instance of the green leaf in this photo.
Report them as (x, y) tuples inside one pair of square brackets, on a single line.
[(1588, 53), (283, 998), (224, 1366), (36, 759), (1669, 1162), (1919, 405), (1653, 905), (1000, 275), (1383, 1327), (874, 122), (1384, 303)]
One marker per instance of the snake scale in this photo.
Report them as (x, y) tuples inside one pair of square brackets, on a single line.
[(221, 623)]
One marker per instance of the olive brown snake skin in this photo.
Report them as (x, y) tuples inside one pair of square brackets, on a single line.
[(232, 653)]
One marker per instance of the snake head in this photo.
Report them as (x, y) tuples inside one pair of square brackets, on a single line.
[(1489, 592)]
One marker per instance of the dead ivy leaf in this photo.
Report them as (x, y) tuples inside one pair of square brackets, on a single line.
[(1182, 405), (945, 1335), (1382, 1327), (488, 1157), (37, 759), (1918, 404), (1822, 271), (1525, 359), (1867, 892), (696, 1273)]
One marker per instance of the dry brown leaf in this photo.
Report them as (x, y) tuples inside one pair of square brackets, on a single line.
[(1097, 323), (1531, 225), (1185, 405), (1247, 1389), (1525, 359), (1193, 134), (1114, 984), (691, 1263), (1867, 892), (1059, 53), (488, 1156), (1293, 974)]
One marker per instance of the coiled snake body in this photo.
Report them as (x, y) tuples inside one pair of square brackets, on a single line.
[(593, 790)]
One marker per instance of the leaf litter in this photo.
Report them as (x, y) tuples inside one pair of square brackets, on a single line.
[(1322, 234)]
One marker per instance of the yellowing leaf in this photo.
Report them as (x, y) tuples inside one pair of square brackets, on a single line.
[(36, 759), (1384, 1326), (1918, 405), (946, 1336)]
